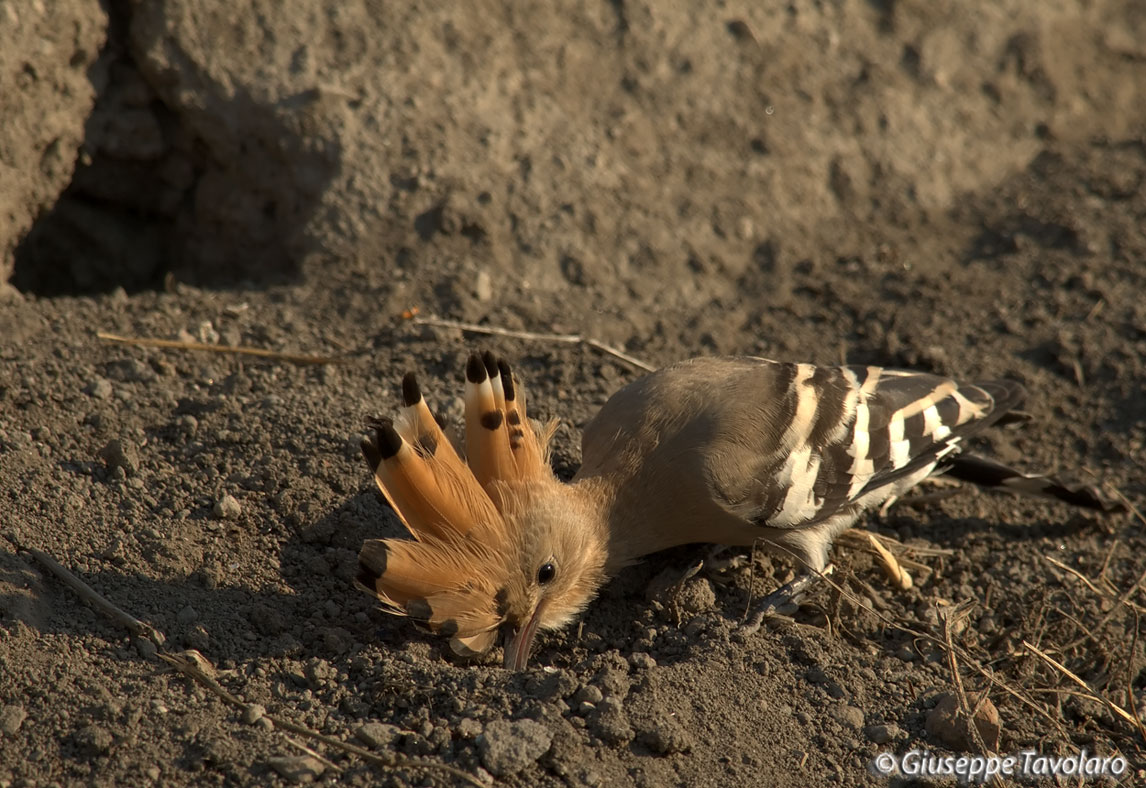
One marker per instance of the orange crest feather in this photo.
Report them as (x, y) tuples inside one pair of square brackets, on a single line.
[(455, 511)]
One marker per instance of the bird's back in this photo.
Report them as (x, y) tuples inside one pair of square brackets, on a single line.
[(734, 449)]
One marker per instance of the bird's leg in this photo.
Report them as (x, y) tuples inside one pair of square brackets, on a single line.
[(715, 562), (783, 597), (886, 507)]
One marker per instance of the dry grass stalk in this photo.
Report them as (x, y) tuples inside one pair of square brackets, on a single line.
[(242, 350)]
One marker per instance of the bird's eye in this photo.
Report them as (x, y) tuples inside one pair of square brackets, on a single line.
[(546, 573)]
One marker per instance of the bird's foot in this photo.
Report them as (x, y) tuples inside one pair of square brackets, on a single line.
[(783, 601)]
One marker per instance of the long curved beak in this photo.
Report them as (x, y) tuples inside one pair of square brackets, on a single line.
[(518, 648)]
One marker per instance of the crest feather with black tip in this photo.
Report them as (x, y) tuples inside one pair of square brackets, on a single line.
[(441, 585), (502, 446), (458, 511), (421, 475)]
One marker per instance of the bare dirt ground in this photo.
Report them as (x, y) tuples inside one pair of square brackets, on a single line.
[(870, 182)]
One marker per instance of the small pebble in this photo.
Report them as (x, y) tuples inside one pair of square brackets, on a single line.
[(641, 661), (252, 713), (94, 740), (509, 747), (145, 647), (610, 724), (588, 694), (848, 716), (99, 388), (207, 333), (227, 508), (946, 724), (468, 728), (187, 615), (666, 738), (298, 768), (11, 718), (120, 456), (483, 286), (130, 370), (187, 425), (882, 734), (378, 735)]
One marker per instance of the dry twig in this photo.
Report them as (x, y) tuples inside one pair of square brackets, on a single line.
[(193, 665), (243, 350), (567, 339), (1064, 670), (949, 616), (98, 601)]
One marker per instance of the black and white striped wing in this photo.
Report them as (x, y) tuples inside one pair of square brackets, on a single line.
[(847, 437)]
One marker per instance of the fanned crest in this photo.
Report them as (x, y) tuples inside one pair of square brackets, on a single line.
[(447, 578)]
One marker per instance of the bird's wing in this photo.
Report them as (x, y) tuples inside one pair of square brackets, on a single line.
[(778, 444)]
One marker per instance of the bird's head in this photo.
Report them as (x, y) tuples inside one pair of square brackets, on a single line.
[(499, 543), (554, 571), (534, 572)]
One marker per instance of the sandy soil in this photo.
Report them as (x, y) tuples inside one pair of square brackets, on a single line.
[(222, 499)]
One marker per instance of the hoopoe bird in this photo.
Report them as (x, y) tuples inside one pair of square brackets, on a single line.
[(734, 451)]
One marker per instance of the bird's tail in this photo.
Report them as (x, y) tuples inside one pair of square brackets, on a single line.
[(995, 475)]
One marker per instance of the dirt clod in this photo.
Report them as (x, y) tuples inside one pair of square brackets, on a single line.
[(508, 747)]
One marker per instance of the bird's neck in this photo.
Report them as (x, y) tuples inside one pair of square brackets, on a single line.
[(622, 529)]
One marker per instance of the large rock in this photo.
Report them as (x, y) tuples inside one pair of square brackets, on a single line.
[(50, 71)]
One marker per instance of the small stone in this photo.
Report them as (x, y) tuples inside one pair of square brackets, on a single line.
[(642, 661), (378, 735), (848, 716), (145, 647), (252, 713), (610, 724), (468, 728), (483, 286), (187, 425), (816, 675), (613, 682), (882, 734), (227, 508), (508, 747), (588, 694), (665, 738), (11, 718), (187, 615), (948, 725), (745, 228), (120, 456), (207, 333), (353, 447), (94, 740), (130, 370), (98, 388), (298, 769), (266, 619)]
